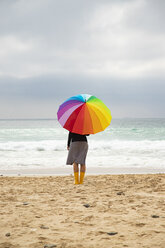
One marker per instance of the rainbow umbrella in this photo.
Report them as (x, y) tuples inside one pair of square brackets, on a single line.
[(84, 114)]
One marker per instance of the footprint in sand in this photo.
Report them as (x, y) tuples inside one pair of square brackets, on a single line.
[(140, 224), (8, 245)]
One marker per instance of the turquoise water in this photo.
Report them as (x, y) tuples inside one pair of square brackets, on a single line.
[(42, 144), (121, 129)]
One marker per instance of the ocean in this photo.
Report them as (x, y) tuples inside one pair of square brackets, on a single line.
[(41, 144)]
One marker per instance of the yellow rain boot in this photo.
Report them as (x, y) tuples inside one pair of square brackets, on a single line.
[(82, 174), (76, 177)]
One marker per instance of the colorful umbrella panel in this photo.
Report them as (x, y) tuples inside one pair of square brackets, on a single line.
[(84, 114)]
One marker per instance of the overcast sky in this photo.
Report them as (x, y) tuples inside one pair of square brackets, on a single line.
[(53, 49)]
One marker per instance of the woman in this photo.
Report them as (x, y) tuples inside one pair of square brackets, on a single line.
[(78, 148)]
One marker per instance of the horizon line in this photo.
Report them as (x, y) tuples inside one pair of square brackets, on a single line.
[(8, 119)]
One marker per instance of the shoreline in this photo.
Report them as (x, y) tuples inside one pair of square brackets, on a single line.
[(64, 171)]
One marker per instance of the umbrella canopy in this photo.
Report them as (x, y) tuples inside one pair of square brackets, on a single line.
[(84, 114)]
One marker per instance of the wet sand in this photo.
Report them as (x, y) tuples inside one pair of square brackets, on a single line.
[(106, 211), (66, 170)]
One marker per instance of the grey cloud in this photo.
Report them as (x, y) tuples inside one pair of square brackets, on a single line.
[(148, 17), (40, 97), (61, 86), (51, 49), (57, 35), (41, 17)]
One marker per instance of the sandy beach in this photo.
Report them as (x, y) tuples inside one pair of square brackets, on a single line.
[(106, 211)]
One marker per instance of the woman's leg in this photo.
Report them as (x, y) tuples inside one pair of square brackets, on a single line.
[(75, 167), (83, 168), (76, 173), (82, 173)]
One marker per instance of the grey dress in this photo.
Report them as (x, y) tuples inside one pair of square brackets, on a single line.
[(78, 148)]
